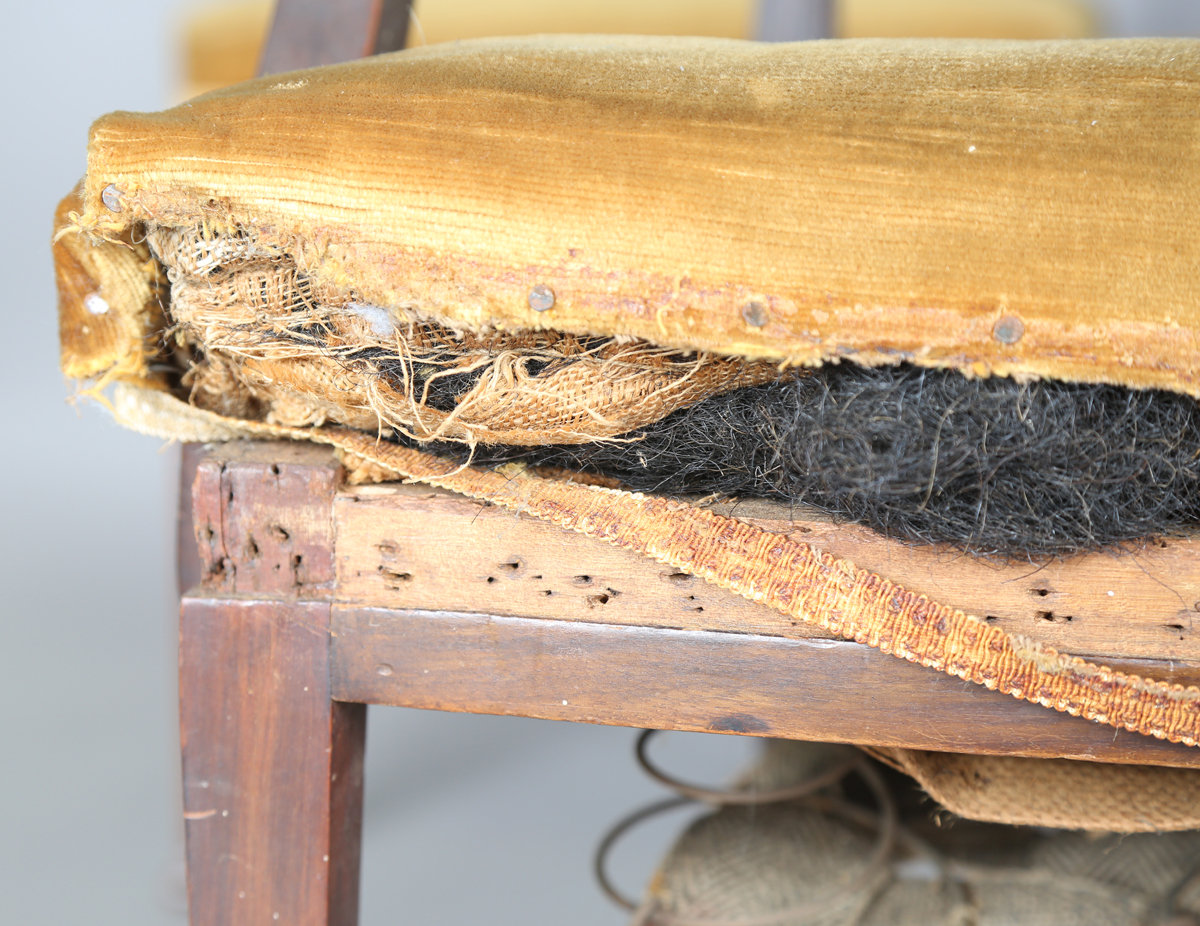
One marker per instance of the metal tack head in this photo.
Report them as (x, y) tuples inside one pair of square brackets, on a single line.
[(111, 197), (754, 314), (1008, 330), (541, 298)]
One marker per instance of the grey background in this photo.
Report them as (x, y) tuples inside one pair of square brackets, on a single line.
[(468, 819)]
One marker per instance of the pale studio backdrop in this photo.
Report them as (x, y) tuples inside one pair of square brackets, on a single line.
[(468, 819)]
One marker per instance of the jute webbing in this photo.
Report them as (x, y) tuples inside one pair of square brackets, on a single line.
[(1061, 793), (743, 865)]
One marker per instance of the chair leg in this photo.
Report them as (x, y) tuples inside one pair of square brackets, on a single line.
[(272, 768)]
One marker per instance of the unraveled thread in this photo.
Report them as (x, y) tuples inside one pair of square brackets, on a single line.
[(995, 467), (263, 341)]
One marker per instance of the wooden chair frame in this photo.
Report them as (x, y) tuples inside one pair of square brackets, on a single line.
[(314, 600)]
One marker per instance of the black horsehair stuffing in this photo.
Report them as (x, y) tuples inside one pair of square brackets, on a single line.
[(992, 466)]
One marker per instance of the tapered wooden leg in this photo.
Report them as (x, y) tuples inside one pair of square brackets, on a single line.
[(272, 768)]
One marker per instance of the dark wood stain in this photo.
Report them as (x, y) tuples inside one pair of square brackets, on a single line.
[(822, 690), (272, 768)]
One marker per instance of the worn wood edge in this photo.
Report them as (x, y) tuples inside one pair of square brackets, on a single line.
[(1140, 571), (296, 452), (262, 516), (282, 785), (817, 588), (701, 681), (1105, 606), (452, 553)]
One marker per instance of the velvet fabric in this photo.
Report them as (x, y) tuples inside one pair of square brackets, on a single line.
[(1008, 208)]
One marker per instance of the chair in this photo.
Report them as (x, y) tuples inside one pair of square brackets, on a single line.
[(308, 599)]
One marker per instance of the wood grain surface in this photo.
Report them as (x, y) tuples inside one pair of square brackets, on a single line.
[(822, 690), (306, 33), (410, 550), (272, 768), (262, 518), (417, 547)]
